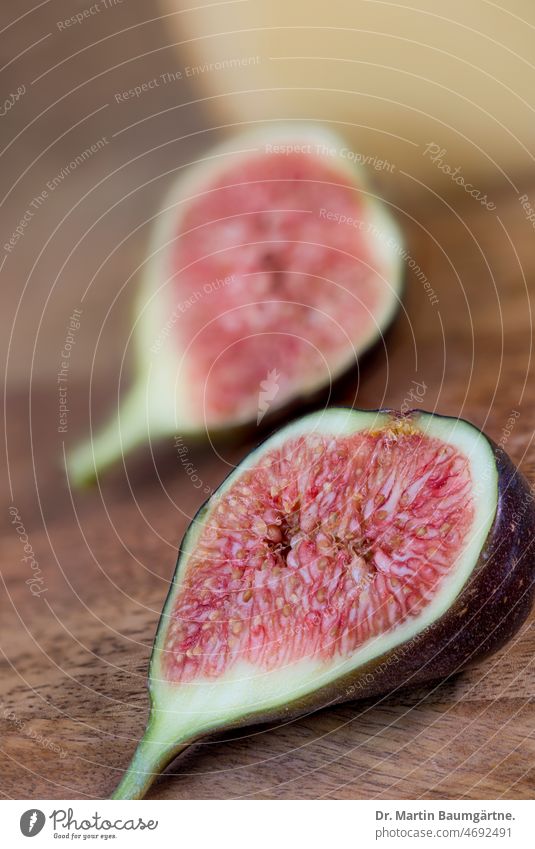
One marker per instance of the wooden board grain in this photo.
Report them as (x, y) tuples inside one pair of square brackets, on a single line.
[(75, 658)]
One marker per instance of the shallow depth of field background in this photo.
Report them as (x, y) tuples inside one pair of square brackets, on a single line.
[(400, 81)]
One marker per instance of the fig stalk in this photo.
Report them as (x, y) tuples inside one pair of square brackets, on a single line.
[(150, 759), (129, 429)]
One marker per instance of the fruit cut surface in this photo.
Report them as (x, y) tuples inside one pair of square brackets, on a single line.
[(322, 545), (271, 270), (276, 267), (352, 553)]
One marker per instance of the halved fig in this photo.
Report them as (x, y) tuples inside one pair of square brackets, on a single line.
[(271, 270), (350, 554)]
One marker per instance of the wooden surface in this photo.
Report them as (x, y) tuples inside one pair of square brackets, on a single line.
[(74, 660)]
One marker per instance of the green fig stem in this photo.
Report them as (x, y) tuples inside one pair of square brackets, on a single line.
[(127, 430), (150, 759)]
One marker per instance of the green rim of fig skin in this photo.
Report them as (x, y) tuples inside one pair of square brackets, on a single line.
[(483, 600), (156, 406)]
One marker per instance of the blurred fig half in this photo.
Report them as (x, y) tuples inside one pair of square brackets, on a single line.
[(350, 554), (272, 268)]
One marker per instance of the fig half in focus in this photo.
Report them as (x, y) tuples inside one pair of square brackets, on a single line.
[(350, 554), (271, 270)]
